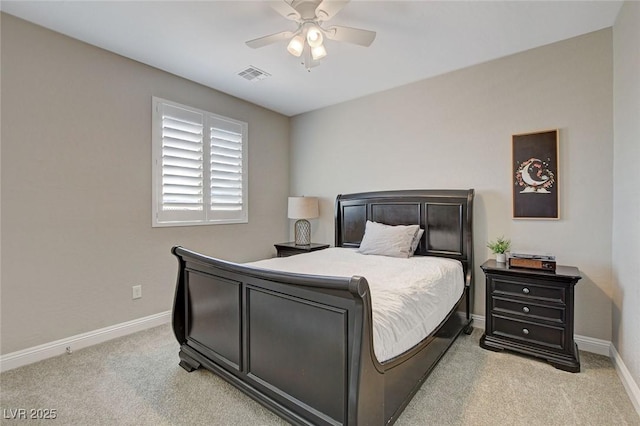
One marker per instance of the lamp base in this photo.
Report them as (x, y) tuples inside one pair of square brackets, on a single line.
[(302, 232)]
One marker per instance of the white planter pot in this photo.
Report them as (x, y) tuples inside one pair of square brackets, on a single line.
[(501, 257)]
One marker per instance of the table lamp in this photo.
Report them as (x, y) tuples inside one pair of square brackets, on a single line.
[(303, 208)]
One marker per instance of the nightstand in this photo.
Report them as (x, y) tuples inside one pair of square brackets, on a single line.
[(290, 249), (531, 311)]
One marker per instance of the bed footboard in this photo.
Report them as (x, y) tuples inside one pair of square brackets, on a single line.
[(301, 345)]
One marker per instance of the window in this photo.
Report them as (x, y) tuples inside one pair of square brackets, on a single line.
[(199, 167)]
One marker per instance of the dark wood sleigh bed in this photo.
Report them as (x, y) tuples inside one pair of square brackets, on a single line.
[(302, 344)]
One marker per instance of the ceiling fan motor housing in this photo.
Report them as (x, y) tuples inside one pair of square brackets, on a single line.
[(307, 9)]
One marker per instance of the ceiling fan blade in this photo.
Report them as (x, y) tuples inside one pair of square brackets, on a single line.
[(327, 9), (285, 9), (270, 39), (351, 35)]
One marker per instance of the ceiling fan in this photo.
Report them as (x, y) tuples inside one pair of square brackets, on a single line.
[(308, 39)]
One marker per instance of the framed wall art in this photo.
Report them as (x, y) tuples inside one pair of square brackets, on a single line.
[(535, 175)]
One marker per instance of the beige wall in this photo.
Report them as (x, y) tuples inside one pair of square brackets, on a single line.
[(76, 187), (626, 187), (454, 131)]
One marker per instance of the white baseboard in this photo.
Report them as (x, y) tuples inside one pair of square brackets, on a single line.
[(627, 379), (590, 344), (59, 347), (600, 347), (478, 321)]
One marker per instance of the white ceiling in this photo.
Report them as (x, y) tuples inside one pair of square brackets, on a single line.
[(203, 41)]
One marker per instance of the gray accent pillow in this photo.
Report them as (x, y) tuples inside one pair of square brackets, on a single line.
[(387, 240), (416, 240)]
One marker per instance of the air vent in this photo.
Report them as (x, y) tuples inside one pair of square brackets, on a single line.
[(253, 74)]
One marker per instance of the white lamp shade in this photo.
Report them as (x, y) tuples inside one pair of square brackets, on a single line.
[(303, 208), (318, 52), (296, 45)]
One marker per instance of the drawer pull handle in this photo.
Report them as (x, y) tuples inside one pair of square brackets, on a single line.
[(525, 290), (525, 331), (525, 310)]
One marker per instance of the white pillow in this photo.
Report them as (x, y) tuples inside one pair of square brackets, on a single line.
[(386, 240)]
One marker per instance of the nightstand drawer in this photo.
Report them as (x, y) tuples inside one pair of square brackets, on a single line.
[(287, 252), (530, 310), (503, 286), (551, 337), (291, 248)]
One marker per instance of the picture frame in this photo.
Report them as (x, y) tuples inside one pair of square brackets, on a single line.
[(535, 175)]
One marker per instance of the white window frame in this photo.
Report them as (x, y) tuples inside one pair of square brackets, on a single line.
[(208, 214)]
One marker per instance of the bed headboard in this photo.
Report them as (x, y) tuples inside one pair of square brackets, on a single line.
[(445, 215)]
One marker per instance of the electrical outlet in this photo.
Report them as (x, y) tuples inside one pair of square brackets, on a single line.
[(137, 291)]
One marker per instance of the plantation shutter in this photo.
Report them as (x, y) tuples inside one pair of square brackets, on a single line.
[(199, 172), (226, 171)]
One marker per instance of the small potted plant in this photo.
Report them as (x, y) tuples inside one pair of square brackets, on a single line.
[(499, 247)]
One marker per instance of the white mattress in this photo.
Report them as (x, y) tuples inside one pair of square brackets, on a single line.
[(410, 297)]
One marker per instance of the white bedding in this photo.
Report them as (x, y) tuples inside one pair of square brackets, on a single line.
[(410, 297)]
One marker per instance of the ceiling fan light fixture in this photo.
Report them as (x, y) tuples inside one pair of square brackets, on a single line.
[(308, 39), (296, 46), (318, 52), (314, 36)]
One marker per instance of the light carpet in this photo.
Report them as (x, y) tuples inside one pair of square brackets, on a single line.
[(136, 380)]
